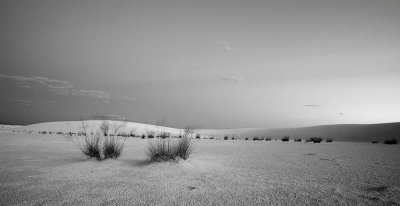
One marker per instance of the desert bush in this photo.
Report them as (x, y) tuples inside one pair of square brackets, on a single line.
[(113, 146), (197, 136), (162, 150), (256, 139), (226, 138), (329, 140), (391, 141), (143, 136), (285, 139), (297, 140), (150, 136), (246, 138), (315, 140), (233, 138), (374, 142), (267, 139), (184, 148), (90, 146), (59, 133)]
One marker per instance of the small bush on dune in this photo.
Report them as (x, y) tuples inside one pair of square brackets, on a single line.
[(268, 139), (113, 146), (226, 138), (374, 142), (315, 140), (162, 150), (285, 139), (256, 139), (329, 140), (297, 140), (184, 148), (392, 141), (246, 138), (90, 146)]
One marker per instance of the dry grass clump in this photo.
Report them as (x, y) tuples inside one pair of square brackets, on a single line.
[(162, 150), (297, 140), (101, 144), (112, 147), (90, 146)]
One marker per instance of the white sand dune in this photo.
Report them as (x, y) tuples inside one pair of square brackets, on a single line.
[(346, 132), (93, 125), (49, 170)]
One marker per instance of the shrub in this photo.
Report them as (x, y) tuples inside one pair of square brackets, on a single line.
[(392, 141), (285, 139), (246, 138), (374, 142), (233, 138), (268, 139), (197, 136), (112, 147), (59, 133), (297, 140), (150, 136), (226, 138), (163, 150), (184, 148), (256, 139), (90, 146), (329, 140), (143, 136), (315, 139)]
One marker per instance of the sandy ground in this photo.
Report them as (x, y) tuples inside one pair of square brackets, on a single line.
[(49, 170)]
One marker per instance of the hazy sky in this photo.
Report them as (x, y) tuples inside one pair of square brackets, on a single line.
[(211, 64)]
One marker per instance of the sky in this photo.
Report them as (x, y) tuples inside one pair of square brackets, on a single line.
[(207, 64)]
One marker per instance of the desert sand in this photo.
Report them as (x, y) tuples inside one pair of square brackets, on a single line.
[(37, 169)]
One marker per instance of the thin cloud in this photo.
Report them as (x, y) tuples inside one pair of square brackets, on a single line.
[(312, 105), (60, 87), (226, 45), (233, 79)]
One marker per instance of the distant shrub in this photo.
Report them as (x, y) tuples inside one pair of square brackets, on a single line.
[(329, 140), (211, 137), (285, 139), (392, 141), (180, 136), (59, 133), (316, 139), (233, 138), (150, 136), (297, 140), (226, 138), (113, 146), (256, 139), (143, 136), (197, 136), (268, 139), (246, 138), (374, 142), (50, 132)]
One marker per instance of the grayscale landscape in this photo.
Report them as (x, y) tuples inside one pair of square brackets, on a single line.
[(222, 102)]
